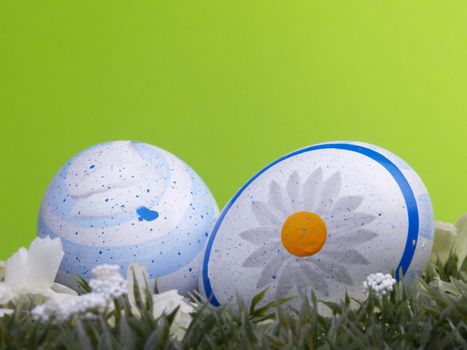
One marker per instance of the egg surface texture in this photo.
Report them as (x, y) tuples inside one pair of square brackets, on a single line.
[(319, 219), (127, 202)]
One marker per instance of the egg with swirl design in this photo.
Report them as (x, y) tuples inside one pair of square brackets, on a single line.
[(123, 202)]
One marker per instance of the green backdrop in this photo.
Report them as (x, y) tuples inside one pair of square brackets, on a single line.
[(229, 86)]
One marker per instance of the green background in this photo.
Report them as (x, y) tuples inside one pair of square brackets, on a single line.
[(228, 86)]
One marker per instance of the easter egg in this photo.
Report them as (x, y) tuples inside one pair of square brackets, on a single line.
[(127, 202), (320, 219)]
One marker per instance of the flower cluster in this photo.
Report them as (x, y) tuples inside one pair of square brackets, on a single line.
[(33, 271), (62, 309), (108, 281), (380, 283), (107, 285)]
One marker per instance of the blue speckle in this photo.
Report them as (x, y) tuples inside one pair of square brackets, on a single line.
[(146, 214), (92, 166)]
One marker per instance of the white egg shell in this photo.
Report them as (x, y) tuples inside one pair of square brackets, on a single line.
[(127, 202), (376, 209)]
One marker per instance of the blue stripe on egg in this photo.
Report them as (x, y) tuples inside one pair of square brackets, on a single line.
[(427, 226)]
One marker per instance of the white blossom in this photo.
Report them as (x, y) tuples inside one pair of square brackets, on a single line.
[(6, 294), (106, 271), (33, 271), (60, 308), (381, 284), (163, 303), (167, 302), (4, 312), (108, 281), (449, 237), (106, 285)]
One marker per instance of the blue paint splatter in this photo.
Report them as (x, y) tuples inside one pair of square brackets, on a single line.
[(146, 214)]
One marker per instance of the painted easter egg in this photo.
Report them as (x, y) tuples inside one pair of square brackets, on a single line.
[(123, 202), (319, 219)]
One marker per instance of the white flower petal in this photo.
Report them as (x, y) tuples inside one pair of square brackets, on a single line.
[(262, 255), (260, 235), (294, 191), (449, 238), (315, 278), (45, 256), (345, 257), (17, 269), (277, 197), (180, 326), (328, 253), (353, 257), (347, 204), (312, 190), (264, 215), (270, 271), (286, 282), (348, 222), (329, 193), (356, 237), (6, 293), (167, 302), (4, 312), (36, 268), (445, 237), (302, 283), (40, 294), (338, 271), (61, 289)]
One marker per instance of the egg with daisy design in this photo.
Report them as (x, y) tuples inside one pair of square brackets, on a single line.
[(319, 219), (126, 202)]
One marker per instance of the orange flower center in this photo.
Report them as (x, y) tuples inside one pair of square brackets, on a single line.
[(303, 233)]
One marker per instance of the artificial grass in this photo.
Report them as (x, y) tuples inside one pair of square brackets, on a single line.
[(431, 313)]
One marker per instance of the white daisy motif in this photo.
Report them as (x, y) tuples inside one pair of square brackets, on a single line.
[(307, 234)]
